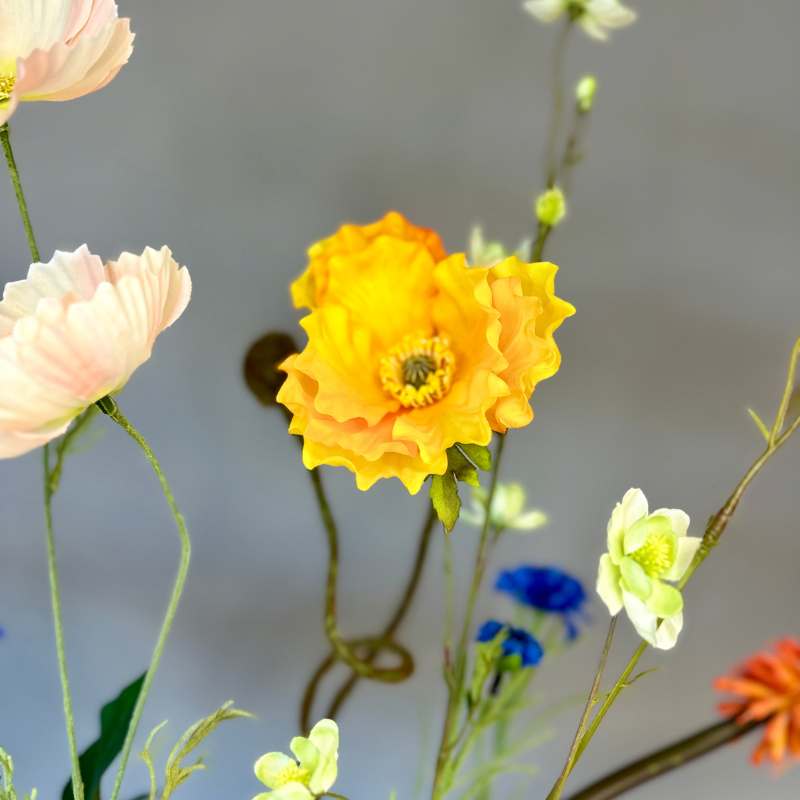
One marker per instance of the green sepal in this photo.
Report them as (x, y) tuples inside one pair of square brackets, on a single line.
[(115, 717), (445, 499), (462, 467), (478, 454)]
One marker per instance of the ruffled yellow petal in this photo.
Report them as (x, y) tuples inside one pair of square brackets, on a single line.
[(530, 312), (311, 288)]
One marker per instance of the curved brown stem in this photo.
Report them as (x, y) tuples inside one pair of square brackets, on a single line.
[(377, 643), (668, 758)]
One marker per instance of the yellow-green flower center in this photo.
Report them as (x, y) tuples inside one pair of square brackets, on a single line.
[(293, 773), (657, 554), (418, 371), (6, 87)]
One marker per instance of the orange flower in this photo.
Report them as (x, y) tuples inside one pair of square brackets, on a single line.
[(768, 688), (410, 352), (311, 288)]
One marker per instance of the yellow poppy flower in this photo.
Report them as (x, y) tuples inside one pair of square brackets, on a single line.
[(409, 354)]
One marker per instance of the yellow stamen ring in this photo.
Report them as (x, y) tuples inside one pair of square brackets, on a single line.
[(418, 371), (6, 87)]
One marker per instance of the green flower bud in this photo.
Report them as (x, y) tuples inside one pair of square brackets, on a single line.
[(585, 92), (551, 207)]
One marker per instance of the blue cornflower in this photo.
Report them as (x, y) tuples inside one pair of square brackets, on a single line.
[(517, 644), (546, 589)]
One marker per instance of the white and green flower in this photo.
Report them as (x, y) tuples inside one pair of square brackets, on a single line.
[(646, 553), (307, 776), (508, 509), (596, 17)]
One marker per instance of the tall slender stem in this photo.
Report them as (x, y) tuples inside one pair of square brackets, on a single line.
[(13, 171), (559, 58), (50, 484), (591, 700), (58, 626), (111, 409), (455, 690)]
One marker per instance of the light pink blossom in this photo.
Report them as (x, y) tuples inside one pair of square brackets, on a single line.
[(59, 49), (75, 331)]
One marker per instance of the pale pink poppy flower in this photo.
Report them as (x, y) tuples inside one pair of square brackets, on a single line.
[(59, 49), (75, 331)]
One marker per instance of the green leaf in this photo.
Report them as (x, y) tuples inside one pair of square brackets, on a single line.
[(478, 454), (445, 499), (98, 757)]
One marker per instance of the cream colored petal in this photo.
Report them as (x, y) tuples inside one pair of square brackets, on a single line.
[(35, 23), (529, 521), (641, 617), (545, 10), (687, 547), (291, 791), (593, 27), (679, 519), (610, 13), (325, 736), (608, 585), (64, 72), (75, 274), (668, 632), (634, 507), (271, 768)]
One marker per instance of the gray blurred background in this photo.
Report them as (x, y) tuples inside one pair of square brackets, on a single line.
[(243, 131)]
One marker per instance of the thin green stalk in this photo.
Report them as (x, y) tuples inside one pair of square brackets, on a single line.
[(50, 484), (666, 759), (559, 58), (109, 407), (456, 689), (58, 627), (591, 700), (13, 171)]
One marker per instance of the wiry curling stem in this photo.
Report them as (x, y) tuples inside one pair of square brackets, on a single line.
[(111, 410), (347, 651)]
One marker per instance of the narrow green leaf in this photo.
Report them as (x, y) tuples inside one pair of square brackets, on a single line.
[(99, 756), (478, 454), (445, 499)]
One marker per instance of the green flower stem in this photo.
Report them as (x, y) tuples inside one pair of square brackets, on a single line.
[(5, 138), (50, 484), (591, 701), (780, 433), (666, 759), (109, 407), (457, 676), (388, 633), (58, 625)]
